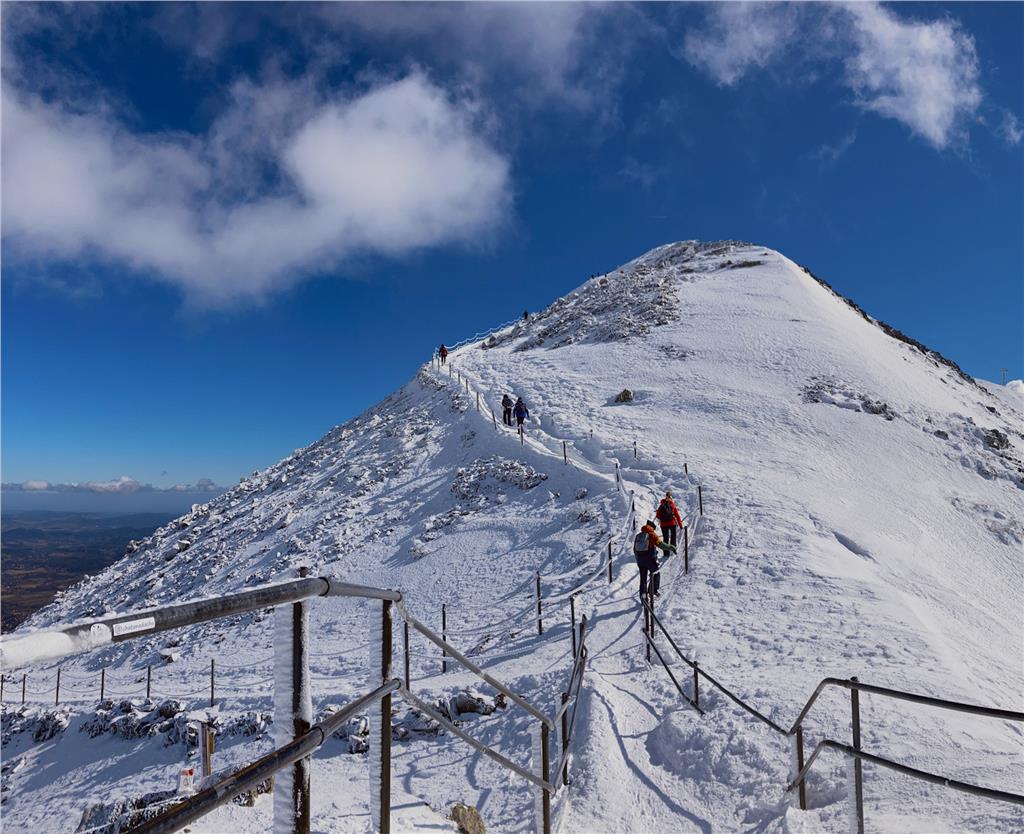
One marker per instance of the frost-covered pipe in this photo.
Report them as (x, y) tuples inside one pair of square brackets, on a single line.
[(37, 646)]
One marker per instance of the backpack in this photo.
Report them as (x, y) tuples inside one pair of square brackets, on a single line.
[(665, 512), (641, 543)]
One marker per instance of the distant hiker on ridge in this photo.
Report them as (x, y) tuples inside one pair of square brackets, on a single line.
[(506, 410), (443, 353), (526, 315), (669, 519), (645, 548), (521, 411)]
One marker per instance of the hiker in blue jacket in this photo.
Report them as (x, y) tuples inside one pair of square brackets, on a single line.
[(520, 411)]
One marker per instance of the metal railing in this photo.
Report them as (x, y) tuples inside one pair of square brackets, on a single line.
[(290, 761), (799, 768)]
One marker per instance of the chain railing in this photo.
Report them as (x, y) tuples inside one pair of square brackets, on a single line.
[(795, 734)]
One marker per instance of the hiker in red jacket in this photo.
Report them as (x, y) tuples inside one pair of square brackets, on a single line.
[(669, 519), (443, 353)]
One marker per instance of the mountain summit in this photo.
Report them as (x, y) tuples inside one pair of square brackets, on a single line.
[(862, 502)]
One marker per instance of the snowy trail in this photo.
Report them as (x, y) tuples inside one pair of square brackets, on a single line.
[(644, 797), (863, 505)]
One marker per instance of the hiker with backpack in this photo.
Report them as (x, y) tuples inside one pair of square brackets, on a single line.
[(443, 353), (645, 548), (669, 519), (520, 411), (506, 409)]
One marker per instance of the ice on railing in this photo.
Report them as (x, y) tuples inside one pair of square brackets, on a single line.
[(375, 751), (292, 699)]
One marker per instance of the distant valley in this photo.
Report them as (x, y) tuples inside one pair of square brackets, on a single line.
[(44, 552)]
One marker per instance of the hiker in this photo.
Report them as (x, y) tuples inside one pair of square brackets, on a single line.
[(443, 353), (526, 315), (645, 548), (506, 410), (669, 518), (521, 412)]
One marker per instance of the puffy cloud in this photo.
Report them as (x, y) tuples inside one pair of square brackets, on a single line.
[(31, 486), (739, 37), (921, 73), (285, 182)]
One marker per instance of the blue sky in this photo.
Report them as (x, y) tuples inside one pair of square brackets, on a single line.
[(227, 228)]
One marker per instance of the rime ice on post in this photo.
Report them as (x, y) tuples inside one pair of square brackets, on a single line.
[(293, 714), (379, 757), (536, 761)]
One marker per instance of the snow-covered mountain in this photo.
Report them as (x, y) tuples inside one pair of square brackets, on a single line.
[(864, 501)]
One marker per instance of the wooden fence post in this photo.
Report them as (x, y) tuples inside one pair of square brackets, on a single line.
[(696, 683), (798, 765), (149, 680), (212, 673), (609, 561), (405, 643), (700, 498), (858, 765), (103, 684), (56, 697), (634, 449), (206, 748), (648, 625), (686, 549), (572, 616), (444, 637), (565, 738), (540, 623), (565, 453), (545, 772)]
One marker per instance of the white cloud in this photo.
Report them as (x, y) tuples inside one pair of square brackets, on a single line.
[(1010, 129), (33, 486), (921, 73), (828, 155), (285, 182), (739, 37), (565, 53)]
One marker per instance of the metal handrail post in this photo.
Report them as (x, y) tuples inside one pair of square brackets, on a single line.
[(384, 773), (291, 800), (858, 767)]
